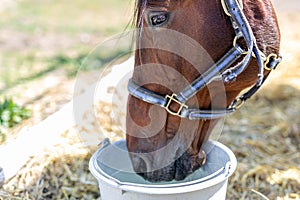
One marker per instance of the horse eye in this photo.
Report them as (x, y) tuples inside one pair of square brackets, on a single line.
[(158, 18)]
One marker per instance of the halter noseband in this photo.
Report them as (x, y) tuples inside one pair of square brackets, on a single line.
[(219, 70)]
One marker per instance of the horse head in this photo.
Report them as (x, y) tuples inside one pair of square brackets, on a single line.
[(169, 114)]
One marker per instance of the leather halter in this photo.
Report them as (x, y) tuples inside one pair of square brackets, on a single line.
[(220, 70)]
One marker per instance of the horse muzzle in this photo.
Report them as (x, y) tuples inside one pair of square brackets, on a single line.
[(177, 170)]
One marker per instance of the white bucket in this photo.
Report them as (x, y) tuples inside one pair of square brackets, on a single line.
[(117, 181)]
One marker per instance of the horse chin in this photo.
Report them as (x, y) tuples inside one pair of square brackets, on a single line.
[(186, 165), (177, 171), (164, 174)]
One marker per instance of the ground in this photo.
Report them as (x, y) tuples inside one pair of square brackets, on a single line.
[(264, 134)]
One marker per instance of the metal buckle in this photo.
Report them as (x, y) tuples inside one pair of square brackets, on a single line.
[(237, 103), (268, 59), (174, 99)]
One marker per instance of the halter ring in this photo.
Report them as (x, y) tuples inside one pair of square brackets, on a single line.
[(234, 43), (262, 55)]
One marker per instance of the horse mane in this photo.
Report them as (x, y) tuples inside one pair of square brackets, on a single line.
[(138, 12)]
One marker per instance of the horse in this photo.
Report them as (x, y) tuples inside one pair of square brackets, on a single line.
[(192, 61)]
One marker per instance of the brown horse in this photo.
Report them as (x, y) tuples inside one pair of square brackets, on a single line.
[(179, 41)]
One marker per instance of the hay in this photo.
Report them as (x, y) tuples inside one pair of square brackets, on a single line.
[(265, 138), (264, 135), (60, 173)]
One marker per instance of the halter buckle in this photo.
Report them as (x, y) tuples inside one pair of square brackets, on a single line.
[(237, 103), (276, 59), (171, 99)]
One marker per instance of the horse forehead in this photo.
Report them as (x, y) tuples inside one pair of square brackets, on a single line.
[(169, 4), (174, 2), (187, 8)]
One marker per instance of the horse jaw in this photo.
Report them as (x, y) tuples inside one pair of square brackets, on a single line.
[(165, 152)]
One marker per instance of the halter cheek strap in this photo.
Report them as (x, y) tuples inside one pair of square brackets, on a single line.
[(220, 70)]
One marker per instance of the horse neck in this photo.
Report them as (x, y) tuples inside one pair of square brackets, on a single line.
[(263, 20)]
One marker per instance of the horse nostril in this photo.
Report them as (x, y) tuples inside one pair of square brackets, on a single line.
[(139, 165)]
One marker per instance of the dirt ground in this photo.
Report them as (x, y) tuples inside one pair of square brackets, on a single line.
[(264, 135)]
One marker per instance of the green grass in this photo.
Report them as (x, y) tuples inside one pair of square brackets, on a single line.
[(38, 37), (12, 114), (31, 66), (43, 36), (67, 17)]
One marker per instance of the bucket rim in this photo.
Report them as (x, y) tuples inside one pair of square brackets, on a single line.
[(215, 178)]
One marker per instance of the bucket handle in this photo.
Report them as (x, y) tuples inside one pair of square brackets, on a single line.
[(104, 143), (227, 169)]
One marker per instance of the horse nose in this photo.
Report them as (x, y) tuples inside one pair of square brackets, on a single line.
[(139, 164)]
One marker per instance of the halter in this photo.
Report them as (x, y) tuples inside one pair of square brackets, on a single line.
[(220, 70)]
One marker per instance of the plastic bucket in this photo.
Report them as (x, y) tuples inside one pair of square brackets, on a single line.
[(117, 181)]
